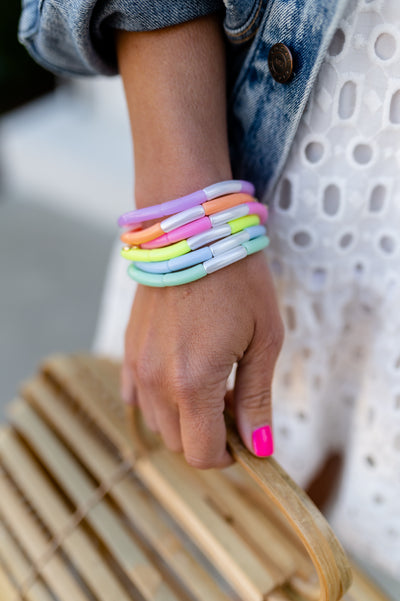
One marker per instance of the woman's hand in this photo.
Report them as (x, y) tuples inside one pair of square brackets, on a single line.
[(181, 345), (182, 342)]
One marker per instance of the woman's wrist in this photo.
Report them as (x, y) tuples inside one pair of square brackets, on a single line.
[(157, 187), (174, 81)]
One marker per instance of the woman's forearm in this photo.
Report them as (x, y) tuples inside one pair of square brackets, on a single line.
[(174, 82)]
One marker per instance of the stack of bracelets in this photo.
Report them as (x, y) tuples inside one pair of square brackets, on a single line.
[(203, 232)]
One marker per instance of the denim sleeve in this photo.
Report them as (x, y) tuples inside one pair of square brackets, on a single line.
[(76, 37)]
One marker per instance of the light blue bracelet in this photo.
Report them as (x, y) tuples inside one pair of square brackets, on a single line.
[(202, 254), (161, 280)]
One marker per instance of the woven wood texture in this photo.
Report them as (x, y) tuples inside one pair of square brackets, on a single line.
[(86, 515)]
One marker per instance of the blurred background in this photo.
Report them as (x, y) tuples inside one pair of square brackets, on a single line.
[(65, 176)]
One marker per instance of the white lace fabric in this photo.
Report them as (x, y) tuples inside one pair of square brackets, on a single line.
[(335, 254)]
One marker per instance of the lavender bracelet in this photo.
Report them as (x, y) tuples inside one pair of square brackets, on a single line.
[(185, 202)]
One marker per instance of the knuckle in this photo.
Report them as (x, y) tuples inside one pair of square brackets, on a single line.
[(201, 412), (185, 383), (256, 402), (184, 391), (144, 371), (200, 463)]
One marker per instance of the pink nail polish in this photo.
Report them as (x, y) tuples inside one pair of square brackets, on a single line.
[(263, 442)]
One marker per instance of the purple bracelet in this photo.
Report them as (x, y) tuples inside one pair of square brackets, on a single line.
[(185, 202)]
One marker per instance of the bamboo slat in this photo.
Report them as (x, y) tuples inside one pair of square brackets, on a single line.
[(72, 374), (276, 574), (81, 490), (254, 525), (134, 502), (177, 488), (52, 404), (232, 556), (323, 547), (53, 512), (19, 568), (250, 490), (36, 544), (82, 510), (7, 591)]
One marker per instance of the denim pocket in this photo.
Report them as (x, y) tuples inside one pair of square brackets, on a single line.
[(263, 114), (242, 19)]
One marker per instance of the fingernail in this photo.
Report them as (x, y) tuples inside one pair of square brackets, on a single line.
[(263, 442)]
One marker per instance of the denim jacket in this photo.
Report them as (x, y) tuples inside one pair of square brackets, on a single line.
[(75, 37)]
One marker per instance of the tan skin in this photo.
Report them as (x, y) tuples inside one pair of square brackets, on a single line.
[(182, 342)]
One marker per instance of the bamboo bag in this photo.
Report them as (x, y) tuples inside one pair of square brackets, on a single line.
[(88, 512)]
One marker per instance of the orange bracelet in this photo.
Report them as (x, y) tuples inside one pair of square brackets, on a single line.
[(140, 236)]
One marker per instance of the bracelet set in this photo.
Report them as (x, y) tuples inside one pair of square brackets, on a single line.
[(203, 232)]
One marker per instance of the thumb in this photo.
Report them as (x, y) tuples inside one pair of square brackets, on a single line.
[(252, 396)]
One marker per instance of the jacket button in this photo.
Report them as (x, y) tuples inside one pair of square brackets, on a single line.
[(280, 63)]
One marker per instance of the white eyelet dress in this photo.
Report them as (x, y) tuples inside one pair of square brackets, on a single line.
[(335, 254)]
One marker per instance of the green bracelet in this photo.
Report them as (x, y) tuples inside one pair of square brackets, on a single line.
[(186, 276)]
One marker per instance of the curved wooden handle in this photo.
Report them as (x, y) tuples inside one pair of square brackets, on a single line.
[(325, 551)]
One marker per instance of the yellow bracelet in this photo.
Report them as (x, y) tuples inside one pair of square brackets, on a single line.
[(134, 253)]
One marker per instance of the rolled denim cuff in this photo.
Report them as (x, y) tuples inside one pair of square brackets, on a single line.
[(76, 37)]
